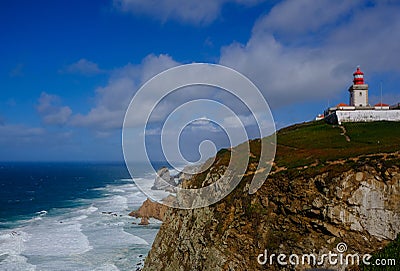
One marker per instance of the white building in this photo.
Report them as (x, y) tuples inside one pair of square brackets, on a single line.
[(359, 110)]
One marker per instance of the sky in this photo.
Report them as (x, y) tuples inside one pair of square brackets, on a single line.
[(69, 69)]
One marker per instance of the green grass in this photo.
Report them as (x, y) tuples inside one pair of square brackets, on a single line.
[(316, 143), (312, 135), (392, 251), (378, 134), (306, 143)]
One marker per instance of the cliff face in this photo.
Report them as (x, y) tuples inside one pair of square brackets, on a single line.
[(307, 208)]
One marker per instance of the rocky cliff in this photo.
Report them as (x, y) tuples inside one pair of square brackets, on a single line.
[(329, 185)]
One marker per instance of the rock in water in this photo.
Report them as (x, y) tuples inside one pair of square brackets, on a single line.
[(144, 221), (150, 209), (163, 180)]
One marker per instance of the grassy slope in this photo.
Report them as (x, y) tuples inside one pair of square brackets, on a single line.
[(307, 143)]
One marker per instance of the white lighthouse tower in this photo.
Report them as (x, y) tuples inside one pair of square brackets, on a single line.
[(359, 90)]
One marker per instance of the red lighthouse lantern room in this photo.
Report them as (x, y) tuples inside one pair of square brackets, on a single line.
[(358, 77)]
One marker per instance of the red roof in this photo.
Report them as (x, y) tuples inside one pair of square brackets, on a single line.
[(342, 104), (381, 104)]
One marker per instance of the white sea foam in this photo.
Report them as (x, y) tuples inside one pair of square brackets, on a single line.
[(115, 203), (126, 180), (89, 210), (16, 263), (11, 245), (107, 267), (112, 233), (57, 239), (42, 213), (118, 190), (35, 218), (99, 236), (77, 218), (12, 242), (135, 199)]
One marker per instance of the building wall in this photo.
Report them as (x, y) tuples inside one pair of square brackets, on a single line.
[(359, 95), (340, 116)]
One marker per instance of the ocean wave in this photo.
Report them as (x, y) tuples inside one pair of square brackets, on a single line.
[(89, 210), (118, 190), (81, 237), (107, 267), (16, 262), (42, 213), (56, 239), (12, 243)]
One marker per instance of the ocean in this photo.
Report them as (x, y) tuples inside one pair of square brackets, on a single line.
[(72, 216)]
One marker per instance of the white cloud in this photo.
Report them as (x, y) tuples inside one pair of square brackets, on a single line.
[(204, 124), (14, 133), (83, 66), (188, 11), (371, 37), (299, 67), (25, 142), (283, 75), (50, 110), (296, 17), (239, 121), (153, 132), (113, 99)]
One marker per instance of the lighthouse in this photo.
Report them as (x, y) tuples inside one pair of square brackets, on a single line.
[(359, 90), (359, 110)]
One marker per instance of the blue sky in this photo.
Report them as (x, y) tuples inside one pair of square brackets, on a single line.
[(69, 68)]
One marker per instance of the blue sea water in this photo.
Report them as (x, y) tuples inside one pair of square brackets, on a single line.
[(72, 216)]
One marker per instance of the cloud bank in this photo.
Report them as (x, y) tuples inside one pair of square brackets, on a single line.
[(51, 111), (308, 53), (84, 67)]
